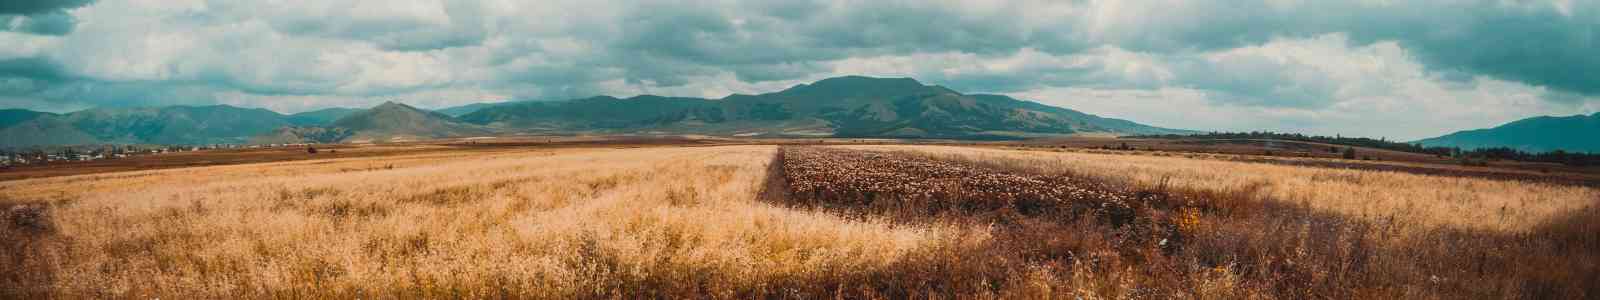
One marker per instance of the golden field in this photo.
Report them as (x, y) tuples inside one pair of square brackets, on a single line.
[(714, 222), (526, 224)]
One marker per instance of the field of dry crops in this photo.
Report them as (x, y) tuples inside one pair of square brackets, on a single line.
[(1428, 201), (793, 222), (1225, 229)]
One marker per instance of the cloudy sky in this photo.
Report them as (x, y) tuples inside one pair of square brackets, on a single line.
[(1397, 69)]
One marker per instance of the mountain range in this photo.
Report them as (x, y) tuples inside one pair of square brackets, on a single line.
[(321, 117), (851, 106), (157, 125), (1578, 133)]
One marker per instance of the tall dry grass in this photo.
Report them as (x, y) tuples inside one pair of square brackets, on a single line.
[(563, 224)]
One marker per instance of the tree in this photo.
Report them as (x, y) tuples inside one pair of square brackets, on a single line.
[(1349, 153)]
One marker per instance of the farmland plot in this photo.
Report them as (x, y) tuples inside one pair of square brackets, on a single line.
[(1422, 201), (1183, 241)]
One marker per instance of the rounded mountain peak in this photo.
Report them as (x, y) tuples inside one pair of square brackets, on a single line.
[(864, 87)]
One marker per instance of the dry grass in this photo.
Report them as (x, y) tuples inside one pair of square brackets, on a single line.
[(1431, 201), (571, 223)]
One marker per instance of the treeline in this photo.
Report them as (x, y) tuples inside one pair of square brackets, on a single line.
[(1336, 140), (1557, 156), (1475, 155)]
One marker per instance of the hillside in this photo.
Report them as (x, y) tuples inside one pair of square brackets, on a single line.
[(1576, 133), (219, 124), (176, 124), (458, 111), (45, 131), (594, 113), (301, 135), (10, 117), (154, 125), (852, 106), (394, 121), (321, 117)]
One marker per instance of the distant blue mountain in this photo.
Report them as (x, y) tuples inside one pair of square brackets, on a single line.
[(458, 111), (392, 120), (10, 117), (1577, 133), (151, 125)]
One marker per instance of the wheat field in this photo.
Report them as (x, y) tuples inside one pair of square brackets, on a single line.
[(715, 222), (542, 224)]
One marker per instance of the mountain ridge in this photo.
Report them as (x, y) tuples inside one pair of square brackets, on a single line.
[(396, 121), (847, 106), (1534, 134), (179, 124), (322, 116), (12, 116)]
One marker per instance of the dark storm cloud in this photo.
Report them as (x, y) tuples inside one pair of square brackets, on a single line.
[(51, 87), (23, 7), (45, 17), (54, 23), (1542, 43), (1538, 46), (788, 40), (34, 69)]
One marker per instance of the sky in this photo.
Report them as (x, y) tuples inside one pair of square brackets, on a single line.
[(1395, 69)]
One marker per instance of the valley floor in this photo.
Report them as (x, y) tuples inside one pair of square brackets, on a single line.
[(793, 221)]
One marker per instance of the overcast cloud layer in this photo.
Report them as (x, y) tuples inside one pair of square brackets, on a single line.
[(1393, 69)]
